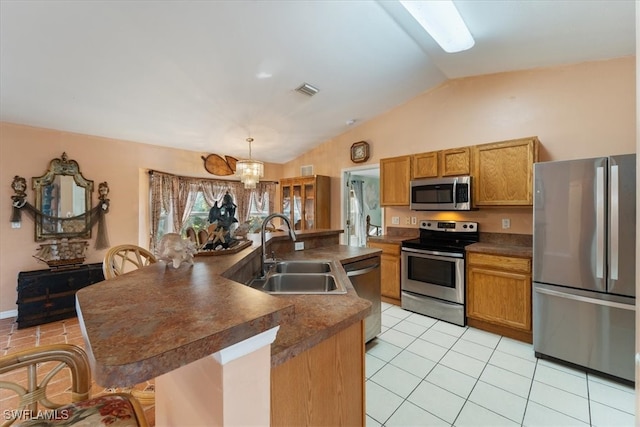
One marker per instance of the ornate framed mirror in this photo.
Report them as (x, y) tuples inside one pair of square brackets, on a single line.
[(63, 197)]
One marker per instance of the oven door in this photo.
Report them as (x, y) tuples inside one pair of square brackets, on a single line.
[(435, 274)]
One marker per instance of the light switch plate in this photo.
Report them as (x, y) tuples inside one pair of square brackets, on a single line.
[(506, 223), (395, 220), (299, 246)]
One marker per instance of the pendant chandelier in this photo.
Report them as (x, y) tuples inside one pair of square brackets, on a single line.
[(250, 171)]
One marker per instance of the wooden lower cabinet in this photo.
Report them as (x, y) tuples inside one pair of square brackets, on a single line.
[(499, 295), (324, 385), (389, 271)]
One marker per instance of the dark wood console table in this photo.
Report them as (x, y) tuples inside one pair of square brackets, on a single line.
[(48, 295)]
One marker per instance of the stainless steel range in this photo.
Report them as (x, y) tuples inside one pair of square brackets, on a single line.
[(433, 269)]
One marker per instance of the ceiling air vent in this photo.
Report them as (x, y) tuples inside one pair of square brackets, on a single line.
[(307, 89)]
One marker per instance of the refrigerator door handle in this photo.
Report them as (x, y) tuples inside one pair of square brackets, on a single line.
[(581, 298), (615, 217), (600, 222)]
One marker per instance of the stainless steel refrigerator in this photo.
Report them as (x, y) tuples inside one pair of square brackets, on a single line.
[(584, 227)]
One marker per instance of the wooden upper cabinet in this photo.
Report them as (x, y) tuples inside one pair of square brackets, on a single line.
[(425, 165), (503, 172), (455, 161), (306, 201), (395, 174), (451, 162)]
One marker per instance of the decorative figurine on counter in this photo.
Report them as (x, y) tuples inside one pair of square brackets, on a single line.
[(176, 250), (222, 218)]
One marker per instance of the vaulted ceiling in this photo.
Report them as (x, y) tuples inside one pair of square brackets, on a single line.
[(205, 75)]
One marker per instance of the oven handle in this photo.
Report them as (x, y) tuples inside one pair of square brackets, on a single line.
[(436, 253)]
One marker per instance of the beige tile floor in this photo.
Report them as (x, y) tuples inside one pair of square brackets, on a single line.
[(421, 371), (13, 339)]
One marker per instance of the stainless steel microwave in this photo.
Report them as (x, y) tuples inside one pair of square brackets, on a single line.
[(441, 194)]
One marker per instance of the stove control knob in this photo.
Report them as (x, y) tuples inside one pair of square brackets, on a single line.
[(470, 225), (428, 224), (464, 226)]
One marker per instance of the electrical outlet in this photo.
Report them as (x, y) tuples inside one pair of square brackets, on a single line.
[(414, 220), (299, 246), (395, 220), (407, 220), (16, 224), (506, 223)]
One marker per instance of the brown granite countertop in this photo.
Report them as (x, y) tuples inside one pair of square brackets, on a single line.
[(518, 245), (156, 319), (498, 249)]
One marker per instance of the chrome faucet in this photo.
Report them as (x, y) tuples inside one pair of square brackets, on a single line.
[(263, 258)]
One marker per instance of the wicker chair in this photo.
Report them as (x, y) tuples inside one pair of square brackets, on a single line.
[(124, 258), (33, 373), (191, 235), (203, 237)]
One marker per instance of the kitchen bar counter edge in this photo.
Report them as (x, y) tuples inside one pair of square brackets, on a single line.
[(157, 319)]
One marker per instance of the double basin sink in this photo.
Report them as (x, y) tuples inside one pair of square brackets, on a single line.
[(300, 277)]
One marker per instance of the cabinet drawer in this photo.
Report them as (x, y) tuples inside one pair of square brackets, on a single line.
[(387, 248), (500, 262)]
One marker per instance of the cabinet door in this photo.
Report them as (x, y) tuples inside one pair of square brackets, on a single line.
[(309, 205), (424, 165), (500, 297), (503, 172), (455, 161), (499, 290), (395, 175), (389, 269), (285, 199), (390, 276)]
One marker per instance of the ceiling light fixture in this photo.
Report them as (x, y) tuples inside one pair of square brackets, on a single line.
[(443, 22), (250, 171)]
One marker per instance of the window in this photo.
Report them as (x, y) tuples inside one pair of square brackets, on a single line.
[(193, 199), (199, 217)]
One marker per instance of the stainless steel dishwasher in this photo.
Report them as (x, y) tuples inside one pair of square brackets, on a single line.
[(365, 278)]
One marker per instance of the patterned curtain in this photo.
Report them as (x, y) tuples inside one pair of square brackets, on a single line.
[(160, 200), (183, 203)]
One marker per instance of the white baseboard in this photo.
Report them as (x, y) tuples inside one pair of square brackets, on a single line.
[(8, 313)]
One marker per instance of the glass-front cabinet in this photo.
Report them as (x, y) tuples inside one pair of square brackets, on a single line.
[(306, 201)]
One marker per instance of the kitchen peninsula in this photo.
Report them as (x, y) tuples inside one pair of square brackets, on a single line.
[(160, 322)]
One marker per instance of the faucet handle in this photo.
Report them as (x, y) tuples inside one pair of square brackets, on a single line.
[(273, 256)]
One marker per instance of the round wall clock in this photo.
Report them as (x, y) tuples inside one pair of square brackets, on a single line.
[(359, 152)]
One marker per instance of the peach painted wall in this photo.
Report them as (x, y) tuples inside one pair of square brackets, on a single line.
[(27, 151), (581, 110)]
